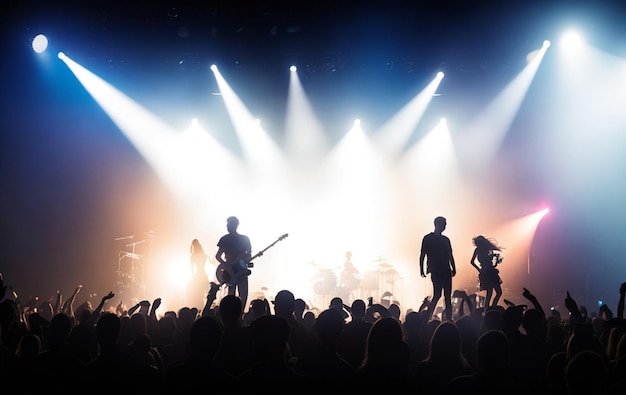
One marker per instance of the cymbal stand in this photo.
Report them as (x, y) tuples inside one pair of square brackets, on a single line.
[(151, 235), (132, 277)]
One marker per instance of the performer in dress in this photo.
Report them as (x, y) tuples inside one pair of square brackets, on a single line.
[(199, 280), (487, 252)]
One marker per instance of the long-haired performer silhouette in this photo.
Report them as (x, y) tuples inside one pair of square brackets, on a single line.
[(487, 252)]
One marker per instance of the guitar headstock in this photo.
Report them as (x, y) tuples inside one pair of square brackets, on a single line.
[(283, 236)]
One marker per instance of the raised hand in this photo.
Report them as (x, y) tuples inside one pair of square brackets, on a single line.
[(570, 303)]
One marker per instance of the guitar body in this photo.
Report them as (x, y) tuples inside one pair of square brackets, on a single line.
[(230, 273)]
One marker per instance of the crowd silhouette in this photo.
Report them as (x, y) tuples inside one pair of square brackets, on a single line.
[(279, 346)]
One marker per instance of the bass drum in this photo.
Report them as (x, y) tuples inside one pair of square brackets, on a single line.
[(326, 282), (350, 281), (370, 281)]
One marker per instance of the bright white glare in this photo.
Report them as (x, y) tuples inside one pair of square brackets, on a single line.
[(293, 68), (356, 182), (179, 274), (61, 56), (40, 43), (546, 44), (440, 75), (437, 144), (213, 67), (571, 41), (357, 122)]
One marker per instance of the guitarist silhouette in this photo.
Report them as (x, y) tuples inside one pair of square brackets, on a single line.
[(233, 254)]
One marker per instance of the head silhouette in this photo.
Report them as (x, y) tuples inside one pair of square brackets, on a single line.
[(440, 224), (232, 223)]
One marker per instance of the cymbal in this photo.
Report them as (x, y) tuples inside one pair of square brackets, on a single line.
[(130, 255)]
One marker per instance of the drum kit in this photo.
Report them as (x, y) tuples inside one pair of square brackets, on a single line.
[(131, 266), (349, 286)]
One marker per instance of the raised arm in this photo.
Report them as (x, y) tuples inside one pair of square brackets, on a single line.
[(153, 308), (68, 306), (96, 312), (533, 299), (132, 310), (59, 303), (572, 306), (210, 298), (424, 304), (605, 312)]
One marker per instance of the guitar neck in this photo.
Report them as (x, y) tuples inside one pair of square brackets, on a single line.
[(258, 254)]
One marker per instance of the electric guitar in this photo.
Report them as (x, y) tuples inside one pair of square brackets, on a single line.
[(229, 273)]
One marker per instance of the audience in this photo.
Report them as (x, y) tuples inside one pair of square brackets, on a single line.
[(445, 360), (363, 347)]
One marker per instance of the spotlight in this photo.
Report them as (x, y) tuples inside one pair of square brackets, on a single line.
[(571, 41), (213, 67), (40, 43), (293, 68)]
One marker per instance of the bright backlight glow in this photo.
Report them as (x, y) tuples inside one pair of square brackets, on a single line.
[(40, 43), (571, 41)]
